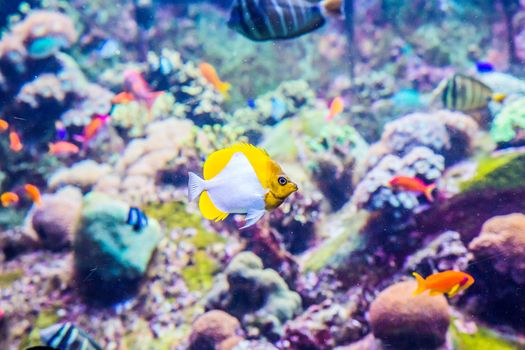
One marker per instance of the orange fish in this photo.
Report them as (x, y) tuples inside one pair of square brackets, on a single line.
[(413, 184), (63, 148), (8, 199), (123, 98), (138, 88), (336, 107), (3, 125), (450, 282), (210, 74), (92, 129), (34, 193), (14, 142)]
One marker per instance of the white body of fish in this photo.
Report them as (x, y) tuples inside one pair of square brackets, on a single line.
[(236, 189)]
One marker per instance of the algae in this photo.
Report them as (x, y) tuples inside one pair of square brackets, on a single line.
[(8, 278), (498, 173), (45, 318), (347, 240), (199, 275), (483, 339)]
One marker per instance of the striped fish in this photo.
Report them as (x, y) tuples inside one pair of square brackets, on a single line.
[(137, 219), (67, 336), (464, 93), (261, 20)]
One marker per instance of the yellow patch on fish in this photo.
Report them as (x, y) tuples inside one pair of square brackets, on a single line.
[(240, 179)]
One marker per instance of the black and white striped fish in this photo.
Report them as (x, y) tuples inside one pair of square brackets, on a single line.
[(464, 93), (137, 219), (261, 20), (67, 336)]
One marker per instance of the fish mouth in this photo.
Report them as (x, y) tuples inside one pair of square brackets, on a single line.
[(295, 188)]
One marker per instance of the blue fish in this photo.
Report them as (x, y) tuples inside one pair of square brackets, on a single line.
[(484, 67), (61, 131), (251, 103), (137, 219)]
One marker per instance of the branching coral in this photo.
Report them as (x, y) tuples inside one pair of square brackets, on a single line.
[(509, 123)]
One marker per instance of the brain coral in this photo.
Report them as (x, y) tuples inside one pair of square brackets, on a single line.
[(215, 330), (403, 320)]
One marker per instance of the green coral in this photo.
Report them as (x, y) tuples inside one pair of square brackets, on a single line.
[(508, 121), (500, 172), (8, 278), (483, 339), (199, 275)]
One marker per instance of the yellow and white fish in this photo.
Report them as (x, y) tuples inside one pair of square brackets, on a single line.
[(240, 179)]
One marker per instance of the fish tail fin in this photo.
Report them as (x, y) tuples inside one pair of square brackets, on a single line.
[(421, 284), (429, 192), (50, 145), (498, 97), (195, 186), (332, 7), (224, 89)]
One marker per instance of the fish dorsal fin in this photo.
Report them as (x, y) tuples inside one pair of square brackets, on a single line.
[(453, 291), (209, 210), (257, 157)]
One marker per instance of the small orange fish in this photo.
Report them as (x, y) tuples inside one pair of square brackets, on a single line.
[(92, 129), (63, 148), (336, 107), (450, 282), (139, 89), (3, 125), (413, 184), (210, 74), (14, 142), (34, 193), (8, 199), (123, 98)]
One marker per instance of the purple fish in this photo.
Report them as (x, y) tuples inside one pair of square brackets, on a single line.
[(61, 131)]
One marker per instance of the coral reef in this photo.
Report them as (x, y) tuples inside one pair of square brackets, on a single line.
[(215, 330), (258, 297), (509, 123), (405, 321), (110, 256)]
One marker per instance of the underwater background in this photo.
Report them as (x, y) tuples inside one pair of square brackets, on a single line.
[(402, 122)]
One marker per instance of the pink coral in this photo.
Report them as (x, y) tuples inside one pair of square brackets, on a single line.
[(215, 330)]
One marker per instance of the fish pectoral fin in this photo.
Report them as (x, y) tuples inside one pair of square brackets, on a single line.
[(209, 210), (453, 291), (253, 216), (435, 292)]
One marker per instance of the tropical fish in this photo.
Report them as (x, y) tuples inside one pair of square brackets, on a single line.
[(63, 148), (412, 184), (261, 20), (484, 67), (61, 131), (336, 107), (240, 179), (14, 142), (34, 193), (210, 74), (123, 98), (450, 282), (67, 336), (464, 93), (139, 88), (3, 125), (251, 103), (137, 219), (92, 129), (41, 347), (8, 199)]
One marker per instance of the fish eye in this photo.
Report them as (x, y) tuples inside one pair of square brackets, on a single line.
[(282, 180)]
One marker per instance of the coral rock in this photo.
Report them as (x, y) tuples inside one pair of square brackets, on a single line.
[(399, 318), (258, 297), (502, 240), (215, 330), (110, 256), (55, 221)]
